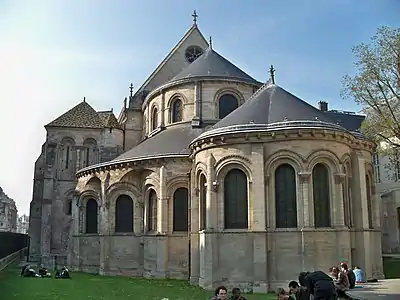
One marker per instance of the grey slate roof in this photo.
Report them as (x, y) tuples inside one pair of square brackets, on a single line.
[(212, 64), (351, 122), (271, 104), (173, 140)]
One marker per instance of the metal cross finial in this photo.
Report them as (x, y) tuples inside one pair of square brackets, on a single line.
[(210, 42), (131, 89), (272, 74), (195, 16)]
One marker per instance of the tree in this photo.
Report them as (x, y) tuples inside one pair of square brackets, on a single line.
[(376, 87)]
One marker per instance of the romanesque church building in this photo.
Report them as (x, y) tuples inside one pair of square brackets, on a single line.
[(206, 175)]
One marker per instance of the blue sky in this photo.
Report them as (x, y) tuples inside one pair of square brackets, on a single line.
[(53, 53)]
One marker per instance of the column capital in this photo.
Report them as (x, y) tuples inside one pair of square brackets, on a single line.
[(304, 176), (339, 178)]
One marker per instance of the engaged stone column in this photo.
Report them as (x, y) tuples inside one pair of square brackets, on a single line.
[(138, 212), (304, 204), (211, 204), (104, 232), (194, 230), (257, 219), (197, 104), (162, 109), (162, 204), (339, 201), (257, 188)]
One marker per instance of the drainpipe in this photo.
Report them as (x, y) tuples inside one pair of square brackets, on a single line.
[(303, 248), (189, 218)]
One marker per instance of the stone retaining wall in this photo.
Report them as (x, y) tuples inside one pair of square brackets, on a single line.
[(4, 262)]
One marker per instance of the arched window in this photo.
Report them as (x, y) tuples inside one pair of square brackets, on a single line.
[(89, 154), (152, 211), (124, 214), (235, 200), (369, 200), (203, 203), (176, 111), (321, 191), (154, 119), (69, 207), (67, 157), (227, 103), (181, 210), (285, 197), (91, 216)]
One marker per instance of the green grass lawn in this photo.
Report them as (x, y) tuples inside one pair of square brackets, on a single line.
[(391, 267), (84, 287)]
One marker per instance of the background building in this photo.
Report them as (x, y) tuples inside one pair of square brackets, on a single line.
[(8, 213), (23, 224), (387, 176)]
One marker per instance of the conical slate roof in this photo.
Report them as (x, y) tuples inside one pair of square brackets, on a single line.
[(108, 119), (80, 116), (272, 104), (212, 64)]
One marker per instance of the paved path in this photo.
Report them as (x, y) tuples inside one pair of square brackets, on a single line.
[(388, 289)]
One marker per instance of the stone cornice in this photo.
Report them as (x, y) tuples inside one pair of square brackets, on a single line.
[(139, 163), (245, 137)]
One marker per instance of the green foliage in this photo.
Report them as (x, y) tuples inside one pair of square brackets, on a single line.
[(85, 286), (376, 85), (391, 267)]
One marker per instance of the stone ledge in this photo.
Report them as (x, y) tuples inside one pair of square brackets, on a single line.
[(388, 289)]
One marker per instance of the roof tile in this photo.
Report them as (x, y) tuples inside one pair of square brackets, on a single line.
[(80, 116)]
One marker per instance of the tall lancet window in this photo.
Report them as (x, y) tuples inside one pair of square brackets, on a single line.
[(321, 192), (176, 111), (285, 197)]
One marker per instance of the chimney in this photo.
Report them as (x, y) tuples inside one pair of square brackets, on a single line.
[(323, 105)]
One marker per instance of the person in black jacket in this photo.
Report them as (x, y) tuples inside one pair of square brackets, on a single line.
[(318, 284)]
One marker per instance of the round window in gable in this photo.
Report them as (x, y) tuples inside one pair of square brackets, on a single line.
[(192, 53)]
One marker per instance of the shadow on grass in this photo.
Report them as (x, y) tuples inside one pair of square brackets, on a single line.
[(85, 286)]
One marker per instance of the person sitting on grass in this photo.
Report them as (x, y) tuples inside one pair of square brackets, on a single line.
[(63, 274), (28, 271), (43, 272), (359, 275), (221, 293), (236, 295), (350, 275), (297, 292), (341, 282), (282, 294)]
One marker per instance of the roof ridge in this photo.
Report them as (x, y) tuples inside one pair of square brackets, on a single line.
[(169, 55)]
